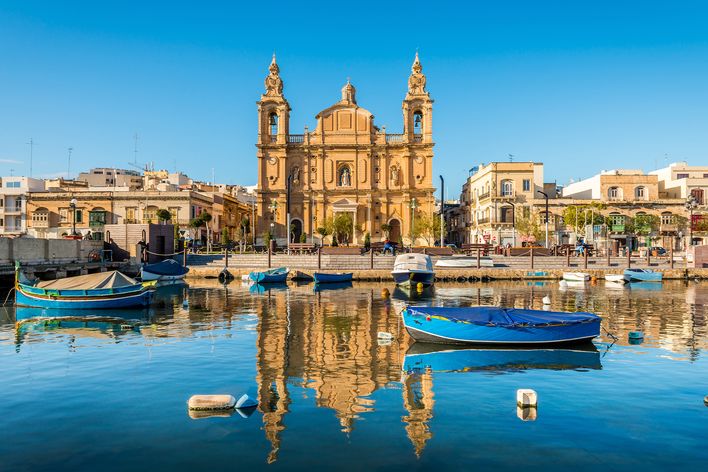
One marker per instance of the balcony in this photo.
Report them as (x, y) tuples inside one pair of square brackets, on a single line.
[(417, 138), (482, 221), (699, 223), (13, 210), (296, 138), (484, 195), (617, 228), (668, 228), (395, 138)]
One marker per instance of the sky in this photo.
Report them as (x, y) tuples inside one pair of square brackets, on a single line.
[(579, 86)]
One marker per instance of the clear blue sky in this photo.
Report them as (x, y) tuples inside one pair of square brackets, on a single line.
[(580, 86)]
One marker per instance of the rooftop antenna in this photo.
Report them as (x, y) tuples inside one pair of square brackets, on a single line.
[(135, 148), (511, 157), (68, 166), (12, 172), (31, 145)]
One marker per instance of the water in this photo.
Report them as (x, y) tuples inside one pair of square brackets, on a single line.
[(105, 397)]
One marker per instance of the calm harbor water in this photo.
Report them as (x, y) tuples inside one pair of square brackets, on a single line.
[(109, 396)]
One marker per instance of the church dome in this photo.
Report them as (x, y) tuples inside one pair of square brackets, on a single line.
[(349, 93)]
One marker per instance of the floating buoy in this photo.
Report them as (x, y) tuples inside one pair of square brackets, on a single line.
[(246, 402), (419, 287), (385, 293), (225, 275), (705, 400), (636, 335), (563, 284), (384, 335), (526, 397), (528, 413), (384, 342), (546, 300), (211, 402)]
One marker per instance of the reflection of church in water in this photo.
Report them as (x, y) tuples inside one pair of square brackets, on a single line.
[(333, 350), (346, 164)]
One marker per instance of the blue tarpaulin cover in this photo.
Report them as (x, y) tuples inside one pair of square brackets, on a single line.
[(166, 267), (497, 316)]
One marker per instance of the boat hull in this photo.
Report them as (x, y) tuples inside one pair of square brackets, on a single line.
[(98, 302), (576, 276), (615, 278), (637, 276), (274, 276), (411, 278), (324, 278), (149, 276), (439, 330)]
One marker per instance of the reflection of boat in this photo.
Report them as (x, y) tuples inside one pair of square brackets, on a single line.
[(167, 270), (103, 290), (614, 278), (495, 325), (332, 278), (412, 269), (300, 276), (642, 275), (270, 276), (332, 286), (575, 276), (648, 286), (259, 288), (445, 358), (461, 262), (412, 293)]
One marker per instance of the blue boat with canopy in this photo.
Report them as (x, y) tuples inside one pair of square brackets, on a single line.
[(496, 325), (642, 275), (167, 270), (332, 278)]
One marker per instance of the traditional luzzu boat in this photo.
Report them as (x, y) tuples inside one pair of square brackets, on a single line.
[(331, 278), (412, 269), (495, 325), (272, 276), (616, 278), (642, 275), (422, 357), (167, 270), (103, 290)]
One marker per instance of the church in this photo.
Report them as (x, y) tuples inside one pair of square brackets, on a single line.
[(346, 166)]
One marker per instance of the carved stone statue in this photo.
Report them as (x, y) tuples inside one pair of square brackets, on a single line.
[(395, 175), (295, 174), (345, 177), (273, 82)]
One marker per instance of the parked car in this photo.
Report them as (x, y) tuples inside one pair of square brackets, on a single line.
[(660, 251)]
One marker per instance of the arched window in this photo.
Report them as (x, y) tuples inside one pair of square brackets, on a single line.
[(614, 193), (507, 188), (418, 123), (667, 218), (640, 193), (344, 176), (273, 125)]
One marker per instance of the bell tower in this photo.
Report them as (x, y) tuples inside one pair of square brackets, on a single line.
[(273, 109), (417, 107)]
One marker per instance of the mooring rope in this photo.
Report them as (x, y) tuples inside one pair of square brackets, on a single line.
[(8, 296), (164, 255)]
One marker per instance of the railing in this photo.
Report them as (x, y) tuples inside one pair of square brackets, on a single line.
[(481, 221), (484, 195), (273, 138), (395, 138), (296, 138), (40, 224), (617, 228), (417, 138)]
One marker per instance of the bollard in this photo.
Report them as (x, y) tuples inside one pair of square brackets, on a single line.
[(371, 258), (567, 257), (270, 252), (585, 259), (629, 258), (479, 262), (319, 257), (671, 253), (184, 256), (227, 257), (649, 256), (609, 252), (531, 252)]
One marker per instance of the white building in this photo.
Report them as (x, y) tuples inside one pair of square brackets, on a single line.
[(679, 180), (110, 177), (13, 200)]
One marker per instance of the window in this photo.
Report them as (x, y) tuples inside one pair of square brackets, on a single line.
[(614, 193), (79, 215), (507, 188), (640, 193), (543, 216), (150, 214), (616, 219), (173, 213), (273, 123), (97, 217), (2, 202), (63, 215), (705, 176), (418, 123), (667, 219), (507, 215), (12, 184), (681, 176), (527, 185), (130, 214)]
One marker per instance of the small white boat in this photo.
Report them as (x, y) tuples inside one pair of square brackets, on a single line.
[(412, 269), (576, 276), (463, 262), (615, 278)]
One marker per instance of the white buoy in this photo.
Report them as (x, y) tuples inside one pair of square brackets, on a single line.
[(211, 402), (246, 402), (527, 413), (384, 335), (384, 342), (705, 400), (526, 397), (546, 300), (563, 284)]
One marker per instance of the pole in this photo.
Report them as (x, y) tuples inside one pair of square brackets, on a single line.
[(609, 263), (671, 253), (629, 257), (567, 257), (585, 258), (287, 209), (442, 211), (545, 195), (319, 257), (531, 253), (371, 257), (270, 251), (479, 262), (227, 256)]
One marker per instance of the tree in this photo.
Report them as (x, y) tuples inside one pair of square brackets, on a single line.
[(427, 226), (163, 215), (176, 237), (225, 236), (343, 227), (530, 226), (303, 238), (266, 238), (576, 216), (386, 228), (245, 227), (206, 218), (644, 225), (367, 241), (323, 231)]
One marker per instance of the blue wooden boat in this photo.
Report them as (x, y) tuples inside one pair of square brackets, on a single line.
[(642, 275), (167, 270), (495, 325), (332, 286), (325, 278), (422, 357), (104, 290), (272, 276)]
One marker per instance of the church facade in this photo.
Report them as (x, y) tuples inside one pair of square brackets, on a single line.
[(346, 165)]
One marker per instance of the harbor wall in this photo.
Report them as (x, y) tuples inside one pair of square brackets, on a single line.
[(38, 251)]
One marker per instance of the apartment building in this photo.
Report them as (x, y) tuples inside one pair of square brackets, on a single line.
[(13, 202)]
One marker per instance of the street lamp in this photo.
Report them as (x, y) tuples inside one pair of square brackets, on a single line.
[(72, 205), (513, 222), (545, 195), (274, 210), (413, 205), (691, 204)]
